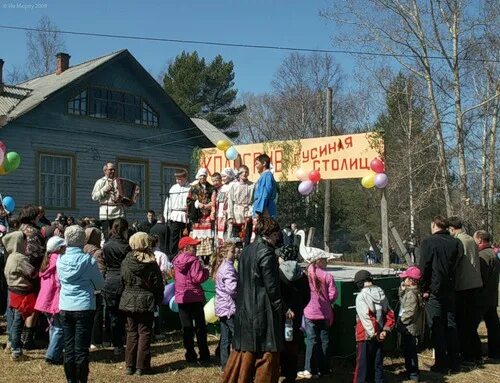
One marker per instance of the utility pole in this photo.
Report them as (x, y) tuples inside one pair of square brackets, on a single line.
[(328, 183), (386, 260)]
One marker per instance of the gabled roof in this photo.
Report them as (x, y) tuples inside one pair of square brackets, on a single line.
[(210, 131), (42, 87), (10, 97)]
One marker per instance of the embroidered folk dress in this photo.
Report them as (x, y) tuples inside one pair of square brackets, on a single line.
[(239, 206), (200, 216)]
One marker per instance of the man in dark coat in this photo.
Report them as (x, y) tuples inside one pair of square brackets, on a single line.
[(160, 229), (258, 331), (440, 254), (487, 299)]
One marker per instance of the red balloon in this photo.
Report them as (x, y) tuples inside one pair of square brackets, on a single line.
[(3, 148), (314, 176), (377, 165)]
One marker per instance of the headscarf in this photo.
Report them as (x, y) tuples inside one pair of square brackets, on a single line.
[(201, 172), (140, 247), (229, 173)]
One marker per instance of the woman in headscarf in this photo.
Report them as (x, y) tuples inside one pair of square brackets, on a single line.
[(143, 291), (239, 206), (200, 206), (221, 207)]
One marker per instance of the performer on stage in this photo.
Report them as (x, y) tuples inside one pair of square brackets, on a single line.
[(175, 211), (105, 192), (264, 199), (221, 227), (200, 207), (239, 211)]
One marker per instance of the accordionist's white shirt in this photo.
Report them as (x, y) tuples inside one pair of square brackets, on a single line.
[(176, 203)]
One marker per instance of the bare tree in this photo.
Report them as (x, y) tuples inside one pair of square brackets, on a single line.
[(16, 75), (42, 45)]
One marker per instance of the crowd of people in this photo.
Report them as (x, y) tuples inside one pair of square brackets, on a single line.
[(84, 278)]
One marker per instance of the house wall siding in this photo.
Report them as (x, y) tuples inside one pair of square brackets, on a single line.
[(94, 142)]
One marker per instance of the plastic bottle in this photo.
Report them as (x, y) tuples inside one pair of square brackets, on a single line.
[(288, 330)]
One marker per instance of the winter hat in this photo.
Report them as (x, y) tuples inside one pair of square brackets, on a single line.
[(230, 173), (55, 243), (289, 253), (412, 272), (361, 277), (201, 172), (74, 236)]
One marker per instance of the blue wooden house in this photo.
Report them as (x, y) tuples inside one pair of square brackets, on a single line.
[(68, 124)]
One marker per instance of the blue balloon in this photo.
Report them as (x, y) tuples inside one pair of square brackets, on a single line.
[(168, 293), (173, 305), (231, 153), (9, 203)]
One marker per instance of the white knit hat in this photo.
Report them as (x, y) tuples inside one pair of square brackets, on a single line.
[(55, 243), (74, 236)]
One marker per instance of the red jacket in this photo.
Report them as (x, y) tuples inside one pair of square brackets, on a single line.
[(373, 313)]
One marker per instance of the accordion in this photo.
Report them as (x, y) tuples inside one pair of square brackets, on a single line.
[(127, 192)]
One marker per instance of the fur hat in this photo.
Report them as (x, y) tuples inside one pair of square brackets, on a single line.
[(74, 236)]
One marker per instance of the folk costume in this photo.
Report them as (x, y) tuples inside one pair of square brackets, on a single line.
[(239, 209), (221, 206)]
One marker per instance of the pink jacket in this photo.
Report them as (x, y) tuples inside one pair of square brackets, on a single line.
[(189, 274), (320, 304), (48, 297)]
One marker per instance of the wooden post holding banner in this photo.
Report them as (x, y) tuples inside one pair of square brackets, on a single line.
[(328, 183), (386, 260)]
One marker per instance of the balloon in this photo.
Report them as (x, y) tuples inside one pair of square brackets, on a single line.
[(306, 187), (315, 176), (223, 145), (3, 147), (377, 165), (209, 310), (2, 171), (301, 174), (173, 305), (368, 181), (381, 180), (9, 203), (168, 293), (231, 153), (2, 155), (11, 161)]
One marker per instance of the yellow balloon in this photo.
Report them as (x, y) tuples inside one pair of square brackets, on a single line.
[(209, 311), (368, 181), (223, 145), (2, 171)]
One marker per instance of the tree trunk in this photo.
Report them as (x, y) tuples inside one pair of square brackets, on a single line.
[(492, 170)]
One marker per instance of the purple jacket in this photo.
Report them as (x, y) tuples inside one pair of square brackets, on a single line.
[(225, 289), (47, 300), (189, 274), (320, 305)]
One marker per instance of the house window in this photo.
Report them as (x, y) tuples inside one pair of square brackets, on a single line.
[(56, 180), (78, 105), (114, 105), (168, 178), (135, 171)]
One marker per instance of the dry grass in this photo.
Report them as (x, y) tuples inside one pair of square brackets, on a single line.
[(169, 366)]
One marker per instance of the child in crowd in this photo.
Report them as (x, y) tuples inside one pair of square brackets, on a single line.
[(411, 318), (20, 275), (318, 318), (226, 280), (375, 319), (189, 274), (47, 301)]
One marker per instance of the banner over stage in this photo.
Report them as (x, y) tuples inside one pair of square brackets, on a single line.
[(336, 157)]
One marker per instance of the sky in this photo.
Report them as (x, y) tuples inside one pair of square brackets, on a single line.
[(293, 23)]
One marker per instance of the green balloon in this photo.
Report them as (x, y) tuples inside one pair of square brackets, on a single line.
[(12, 161)]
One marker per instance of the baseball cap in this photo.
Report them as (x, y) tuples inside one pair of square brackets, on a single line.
[(362, 275), (185, 241), (412, 272)]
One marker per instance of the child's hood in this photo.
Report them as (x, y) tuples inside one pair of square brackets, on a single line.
[(376, 294), (183, 261), (93, 237), (13, 242)]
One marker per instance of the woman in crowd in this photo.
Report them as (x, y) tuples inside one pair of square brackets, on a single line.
[(239, 206), (93, 247), (189, 274), (115, 251), (264, 200), (47, 301), (228, 176), (79, 276), (258, 331), (142, 293)]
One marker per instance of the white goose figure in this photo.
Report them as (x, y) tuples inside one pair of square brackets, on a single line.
[(312, 253)]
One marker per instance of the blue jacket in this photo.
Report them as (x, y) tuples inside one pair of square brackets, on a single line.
[(264, 198), (79, 277)]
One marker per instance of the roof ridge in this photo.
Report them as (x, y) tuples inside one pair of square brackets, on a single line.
[(77, 65)]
